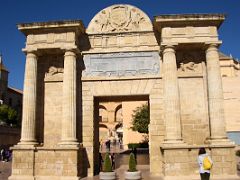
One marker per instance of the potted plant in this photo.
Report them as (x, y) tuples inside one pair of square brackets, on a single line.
[(132, 172), (107, 172)]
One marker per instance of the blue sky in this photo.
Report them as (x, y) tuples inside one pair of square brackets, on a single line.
[(13, 12)]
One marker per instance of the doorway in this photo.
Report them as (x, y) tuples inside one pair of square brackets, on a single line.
[(113, 129)]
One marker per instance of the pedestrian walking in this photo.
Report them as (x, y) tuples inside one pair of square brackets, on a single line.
[(100, 162), (7, 155), (113, 160), (108, 145), (2, 153)]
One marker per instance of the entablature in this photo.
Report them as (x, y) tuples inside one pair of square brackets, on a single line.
[(52, 35), (188, 28), (119, 42)]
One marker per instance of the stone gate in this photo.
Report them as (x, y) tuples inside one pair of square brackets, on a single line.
[(172, 61)]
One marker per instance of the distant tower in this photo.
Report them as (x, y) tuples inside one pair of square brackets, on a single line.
[(3, 80)]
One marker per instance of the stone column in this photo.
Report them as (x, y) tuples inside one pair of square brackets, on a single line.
[(69, 100), (28, 134), (171, 97), (215, 94)]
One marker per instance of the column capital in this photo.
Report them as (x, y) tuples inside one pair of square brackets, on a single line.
[(214, 45), (169, 45), (31, 54), (168, 48), (70, 53), (73, 50), (30, 51)]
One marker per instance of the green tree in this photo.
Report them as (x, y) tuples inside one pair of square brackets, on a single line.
[(8, 115), (12, 116), (140, 119), (4, 113)]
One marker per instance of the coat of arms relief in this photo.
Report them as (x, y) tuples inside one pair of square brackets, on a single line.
[(119, 18)]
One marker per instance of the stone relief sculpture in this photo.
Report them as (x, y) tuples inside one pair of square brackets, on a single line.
[(189, 63), (119, 18), (54, 70), (103, 21), (191, 66)]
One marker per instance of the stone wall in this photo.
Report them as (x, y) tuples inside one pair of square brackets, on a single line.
[(48, 163), (231, 91), (52, 114), (195, 122), (180, 162)]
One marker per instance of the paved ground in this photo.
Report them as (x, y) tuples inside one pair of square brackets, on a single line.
[(5, 168), (120, 173)]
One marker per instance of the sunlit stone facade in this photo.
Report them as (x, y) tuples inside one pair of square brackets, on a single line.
[(172, 62)]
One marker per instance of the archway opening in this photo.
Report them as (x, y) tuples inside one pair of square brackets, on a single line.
[(113, 130)]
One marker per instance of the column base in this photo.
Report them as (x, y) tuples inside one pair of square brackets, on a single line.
[(69, 143), (180, 141), (20, 177), (220, 141), (27, 143)]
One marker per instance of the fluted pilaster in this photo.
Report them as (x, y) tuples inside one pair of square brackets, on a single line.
[(171, 97), (215, 94), (69, 100), (28, 133)]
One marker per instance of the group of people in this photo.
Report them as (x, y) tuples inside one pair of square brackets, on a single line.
[(5, 155), (109, 144)]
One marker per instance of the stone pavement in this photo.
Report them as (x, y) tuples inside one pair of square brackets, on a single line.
[(120, 173), (146, 176), (5, 168)]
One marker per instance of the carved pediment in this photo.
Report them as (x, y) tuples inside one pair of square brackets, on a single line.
[(119, 18)]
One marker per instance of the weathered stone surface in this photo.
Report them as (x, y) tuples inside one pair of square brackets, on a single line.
[(121, 57), (125, 64)]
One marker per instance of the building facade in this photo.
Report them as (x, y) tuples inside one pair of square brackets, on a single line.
[(115, 122), (172, 63), (13, 98), (9, 95), (230, 70)]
